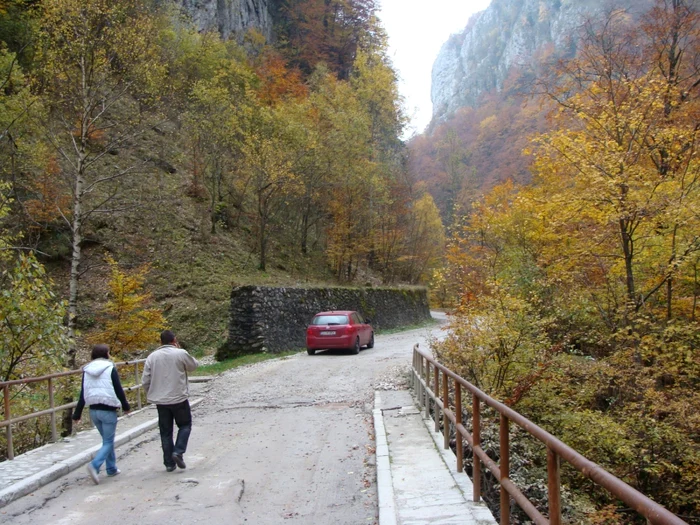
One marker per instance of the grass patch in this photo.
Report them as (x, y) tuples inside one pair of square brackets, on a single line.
[(228, 364)]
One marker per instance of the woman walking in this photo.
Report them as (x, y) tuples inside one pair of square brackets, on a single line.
[(102, 391)]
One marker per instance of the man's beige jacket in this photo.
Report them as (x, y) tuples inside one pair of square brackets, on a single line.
[(165, 375)]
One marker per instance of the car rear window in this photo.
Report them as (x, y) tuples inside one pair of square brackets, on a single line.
[(330, 319)]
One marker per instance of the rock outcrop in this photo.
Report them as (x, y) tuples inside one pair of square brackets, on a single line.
[(508, 33), (231, 18)]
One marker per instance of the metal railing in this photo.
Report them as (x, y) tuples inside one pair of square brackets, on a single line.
[(426, 370), (53, 409)]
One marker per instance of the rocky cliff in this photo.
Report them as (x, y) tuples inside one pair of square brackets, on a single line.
[(508, 33), (231, 17)]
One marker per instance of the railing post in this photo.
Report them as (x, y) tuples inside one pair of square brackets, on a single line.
[(504, 466), (445, 406), (459, 442), (436, 391), (138, 382), (419, 392), (427, 384), (6, 398), (553, 487), (413, 371), (476, 462), (421, 386), (54, 434)]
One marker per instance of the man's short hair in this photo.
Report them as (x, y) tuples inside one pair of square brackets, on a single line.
[(166, 337), (100, 351)]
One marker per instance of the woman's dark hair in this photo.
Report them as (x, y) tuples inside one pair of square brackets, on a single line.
[(100, 351)]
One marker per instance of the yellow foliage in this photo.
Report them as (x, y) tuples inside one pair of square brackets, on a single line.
[(130, 326)]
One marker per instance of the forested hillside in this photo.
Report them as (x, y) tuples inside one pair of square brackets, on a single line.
[(574, 268), (148, 167)]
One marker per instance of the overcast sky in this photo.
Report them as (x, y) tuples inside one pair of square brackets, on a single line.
[(417, 29)]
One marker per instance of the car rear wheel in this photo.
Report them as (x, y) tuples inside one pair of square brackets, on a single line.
[(371, 341), (310, 352), (356, 348)]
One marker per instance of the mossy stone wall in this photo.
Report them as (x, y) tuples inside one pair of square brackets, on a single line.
[(265, 319)]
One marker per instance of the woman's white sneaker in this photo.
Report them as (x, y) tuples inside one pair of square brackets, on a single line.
[(93, 474)]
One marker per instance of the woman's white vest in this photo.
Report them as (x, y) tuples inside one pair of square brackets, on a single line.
[(97, 384)]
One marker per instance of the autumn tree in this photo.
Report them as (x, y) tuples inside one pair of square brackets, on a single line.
[(271, 155), (586, 255), (23, 154), (33, 339), (374, 82), (326, 31), (453, 156), (98, 73), (216, 123), (33, 342), (343, 150), (424, 241), (131, 324), (639, 128)]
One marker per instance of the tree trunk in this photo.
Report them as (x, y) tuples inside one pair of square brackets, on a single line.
[(77, 238), (628, 250), (262, 214), (669, 282), (305, 230), (696, 289)]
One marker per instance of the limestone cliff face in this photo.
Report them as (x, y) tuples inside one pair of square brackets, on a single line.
[(231, 18), (508, 33)]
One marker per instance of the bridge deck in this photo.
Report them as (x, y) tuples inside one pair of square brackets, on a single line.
[(417, 480), (425, 485)]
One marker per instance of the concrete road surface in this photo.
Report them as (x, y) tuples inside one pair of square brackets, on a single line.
[(288, 441)]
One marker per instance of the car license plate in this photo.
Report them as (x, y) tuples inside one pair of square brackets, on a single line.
[(328, 332)]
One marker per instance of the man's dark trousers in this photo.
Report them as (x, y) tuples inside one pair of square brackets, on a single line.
[(181, 414)]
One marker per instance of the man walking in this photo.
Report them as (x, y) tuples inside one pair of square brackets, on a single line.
[(165, 381)]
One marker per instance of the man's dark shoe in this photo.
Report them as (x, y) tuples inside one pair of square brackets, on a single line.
[(170, 468), (177, 458)]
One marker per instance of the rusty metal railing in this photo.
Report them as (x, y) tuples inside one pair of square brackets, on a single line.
[(427, 370), (53, 409)]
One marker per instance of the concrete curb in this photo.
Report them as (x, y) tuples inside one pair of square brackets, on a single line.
[(385, 488), (46, 476)]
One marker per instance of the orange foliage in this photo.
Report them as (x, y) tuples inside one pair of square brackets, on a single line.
[(51, 201), (325, 31), (93, 134), (278, 82)]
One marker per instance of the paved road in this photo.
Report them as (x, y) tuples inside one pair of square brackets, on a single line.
[(286, 441)]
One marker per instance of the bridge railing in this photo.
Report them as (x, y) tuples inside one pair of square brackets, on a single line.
[(436, 384), (51, 411)]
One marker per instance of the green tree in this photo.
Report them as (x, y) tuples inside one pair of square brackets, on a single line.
[(33, 338)]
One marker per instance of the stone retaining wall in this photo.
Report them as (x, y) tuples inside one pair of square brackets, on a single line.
[(272, 320)]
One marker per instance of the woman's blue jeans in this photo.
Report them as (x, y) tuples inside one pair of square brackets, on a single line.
[(106, 423)]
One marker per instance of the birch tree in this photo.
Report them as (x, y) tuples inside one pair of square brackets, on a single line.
[(98, 72)]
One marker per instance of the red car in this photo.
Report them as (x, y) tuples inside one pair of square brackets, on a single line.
[(339, 329)]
